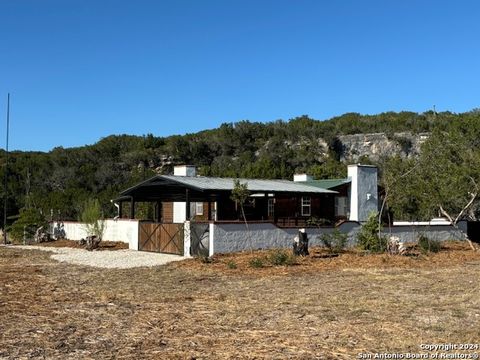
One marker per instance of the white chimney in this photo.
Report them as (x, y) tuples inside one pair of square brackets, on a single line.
[(184, 170), (363, 191), (302, 177)]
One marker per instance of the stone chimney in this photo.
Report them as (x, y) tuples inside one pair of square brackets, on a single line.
[(363, 192), (185, 170)]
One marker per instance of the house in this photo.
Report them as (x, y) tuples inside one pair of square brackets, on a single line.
[(186, 196), (196, 213)]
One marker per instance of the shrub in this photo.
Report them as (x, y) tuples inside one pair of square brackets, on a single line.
[(427, 245), (256, 263), (368, 238), (314, 221), (335, 242), (205, 259), (92, 217), (231, 264), (281, 258)]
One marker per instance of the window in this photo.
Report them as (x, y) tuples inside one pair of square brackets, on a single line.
[(196, 208), (271, 207), (199, 208), (306, 206), (341, 206)]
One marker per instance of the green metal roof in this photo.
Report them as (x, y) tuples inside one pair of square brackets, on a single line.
[(213, 183), (201, 183), (327, 183)]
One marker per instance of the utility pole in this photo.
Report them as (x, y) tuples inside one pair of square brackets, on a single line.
[(6, 176)]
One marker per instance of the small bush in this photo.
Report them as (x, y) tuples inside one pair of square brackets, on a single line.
[(231, 264), (314, 221), (205, 259), (281, 258), (256, 263), (91, 216), (368, 238), (427, 245), (335, 242)]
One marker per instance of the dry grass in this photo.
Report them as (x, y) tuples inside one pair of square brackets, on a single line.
[(321, 308)]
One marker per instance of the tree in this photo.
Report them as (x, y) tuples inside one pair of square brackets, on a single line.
[(445, 179), (29, 220), (240, 194), (449, 174)]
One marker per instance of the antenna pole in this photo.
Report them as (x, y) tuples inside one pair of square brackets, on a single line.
[(6, 175)]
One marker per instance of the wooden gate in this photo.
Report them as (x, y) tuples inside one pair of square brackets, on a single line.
[(160, 237)]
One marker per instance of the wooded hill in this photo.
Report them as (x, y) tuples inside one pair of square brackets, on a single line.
[(57, 184)]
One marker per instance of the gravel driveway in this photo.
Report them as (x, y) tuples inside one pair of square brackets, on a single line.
[(116, 259)]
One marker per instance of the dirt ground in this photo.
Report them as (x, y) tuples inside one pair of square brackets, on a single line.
[(322, 308)]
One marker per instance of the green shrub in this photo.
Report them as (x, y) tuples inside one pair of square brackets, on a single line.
[(335, 242), (281, 258), (91, 216), (368, 238), (427, 245), (231, 264), (314, 221), (256, 263)]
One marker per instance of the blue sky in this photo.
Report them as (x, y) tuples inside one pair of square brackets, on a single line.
[(79, 70)]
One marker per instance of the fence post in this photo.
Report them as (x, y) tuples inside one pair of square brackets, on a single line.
[(187, 239)]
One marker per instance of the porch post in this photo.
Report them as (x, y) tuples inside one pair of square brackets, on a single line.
[(132, 208), (209, 210), (159, 211), (187, 205)]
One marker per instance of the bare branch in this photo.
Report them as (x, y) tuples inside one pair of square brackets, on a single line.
[(466, 207)]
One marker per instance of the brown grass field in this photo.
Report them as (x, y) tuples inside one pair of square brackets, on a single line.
[(322, 308)]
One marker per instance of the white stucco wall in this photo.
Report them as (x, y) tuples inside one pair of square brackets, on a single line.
[(410, 233), (121, 230)]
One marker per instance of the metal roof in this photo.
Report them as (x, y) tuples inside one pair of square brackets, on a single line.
[(201, 183), (215, 183), (327, 183)]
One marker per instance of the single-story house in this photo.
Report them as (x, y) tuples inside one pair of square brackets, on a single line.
[(195, 206), (186, 196)]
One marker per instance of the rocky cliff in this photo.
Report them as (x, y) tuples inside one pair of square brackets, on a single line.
[(379, 145)]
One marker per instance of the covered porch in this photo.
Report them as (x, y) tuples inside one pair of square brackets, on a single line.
[(175, 199)]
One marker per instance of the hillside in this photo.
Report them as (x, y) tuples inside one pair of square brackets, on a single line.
[(58, 182)]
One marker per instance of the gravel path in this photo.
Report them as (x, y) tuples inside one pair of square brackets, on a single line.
[(116, 259)]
